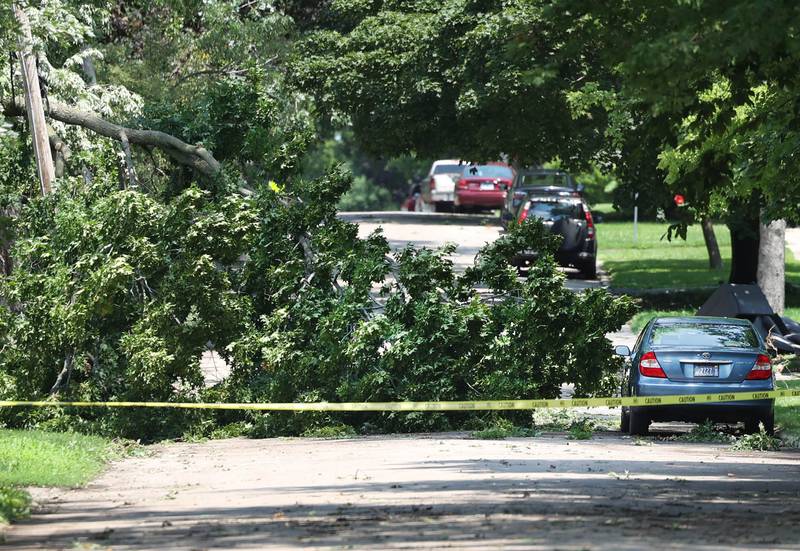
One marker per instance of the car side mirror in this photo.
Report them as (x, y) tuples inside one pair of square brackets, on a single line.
[(504, 187), (622, 350)]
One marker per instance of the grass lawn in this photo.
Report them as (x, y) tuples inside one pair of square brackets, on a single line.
[(638, 321), (656, 263), (36, 458), (787, 414)]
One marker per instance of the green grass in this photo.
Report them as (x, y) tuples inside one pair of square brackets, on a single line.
[(787, 414), (37, 458), (638, 321), (657, 263)]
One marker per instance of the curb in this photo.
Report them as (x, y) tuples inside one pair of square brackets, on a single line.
[(417, 217)]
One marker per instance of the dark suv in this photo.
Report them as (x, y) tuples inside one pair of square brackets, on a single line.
[(569, 217), (540, 181)]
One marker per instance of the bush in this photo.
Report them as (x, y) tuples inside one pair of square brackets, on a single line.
[(15, 503), (758, 441)]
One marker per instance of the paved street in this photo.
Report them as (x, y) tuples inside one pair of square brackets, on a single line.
[(431, 492)]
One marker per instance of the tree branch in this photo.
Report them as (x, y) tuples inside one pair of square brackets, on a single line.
[(194, 156), (130, 170), (62, 382)]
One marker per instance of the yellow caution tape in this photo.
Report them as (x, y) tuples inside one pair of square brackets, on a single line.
[(478, 405)]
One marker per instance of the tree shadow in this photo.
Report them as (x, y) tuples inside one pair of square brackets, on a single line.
[(614, 503)]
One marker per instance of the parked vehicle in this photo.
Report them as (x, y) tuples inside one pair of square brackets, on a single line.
[(698, 355), (536, 181), (438, 188), (483, 186), (413, 202), (569, 217)]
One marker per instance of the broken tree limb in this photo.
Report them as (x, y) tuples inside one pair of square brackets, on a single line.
[(60, 151), (130, 171), (194, 156), (62, 382)]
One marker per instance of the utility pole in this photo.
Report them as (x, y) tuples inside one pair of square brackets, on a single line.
[(33, 103)]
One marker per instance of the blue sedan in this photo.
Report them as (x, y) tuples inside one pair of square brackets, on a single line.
[(697, 355)]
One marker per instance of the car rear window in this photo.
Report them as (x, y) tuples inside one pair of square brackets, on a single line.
[(555, 210), (488, 171), (448, 169), (544, 179), (704, 335)]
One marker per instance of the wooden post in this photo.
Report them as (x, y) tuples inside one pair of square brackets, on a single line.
[(33, 103)]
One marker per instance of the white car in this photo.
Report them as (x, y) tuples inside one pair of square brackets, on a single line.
[(438, 188)]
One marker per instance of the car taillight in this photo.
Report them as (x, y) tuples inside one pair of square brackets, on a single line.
[(433, 183), (649, 366), (523, 215), (590, 225), (762, 369), (462, 184)]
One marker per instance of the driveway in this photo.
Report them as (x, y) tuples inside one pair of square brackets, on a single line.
[(428, 491)]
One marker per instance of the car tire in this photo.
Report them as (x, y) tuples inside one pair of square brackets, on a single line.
[(639, 423), (767, 418), (589, 269), (625, 420)]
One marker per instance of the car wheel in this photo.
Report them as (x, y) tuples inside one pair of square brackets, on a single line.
[(589, 270), (625, 420), (639, 423)]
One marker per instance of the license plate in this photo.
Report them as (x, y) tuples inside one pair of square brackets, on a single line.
[(706, 371), (486, 187)]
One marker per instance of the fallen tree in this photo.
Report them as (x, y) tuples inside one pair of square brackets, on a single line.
[(194, 156)]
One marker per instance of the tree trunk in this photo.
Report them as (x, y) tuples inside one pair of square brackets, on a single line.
[(772, 263), (33, 103), (714, 258), (743, 222), (6, 240)]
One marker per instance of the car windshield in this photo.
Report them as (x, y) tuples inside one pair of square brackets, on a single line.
[(704, 335), (488, 171), (544, 179), (448, 169), (555, 210)]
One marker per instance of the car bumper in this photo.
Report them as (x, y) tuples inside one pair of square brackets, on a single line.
[(442, 196), (717, 411), (477, 198), (564, 258)]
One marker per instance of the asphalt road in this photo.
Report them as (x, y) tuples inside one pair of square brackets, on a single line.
[(428, 492), (469, 237)]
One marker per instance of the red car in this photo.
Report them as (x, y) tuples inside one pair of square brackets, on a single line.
[(483, 186)]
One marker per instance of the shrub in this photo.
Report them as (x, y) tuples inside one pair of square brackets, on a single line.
[(15, 503), (758, 441)]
